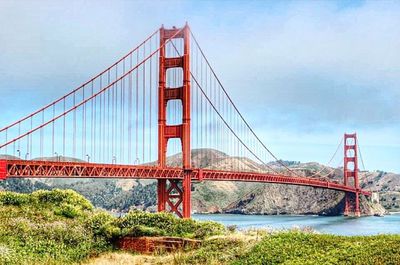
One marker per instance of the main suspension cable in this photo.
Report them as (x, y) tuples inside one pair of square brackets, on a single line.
[(80, 87), (75, 106)]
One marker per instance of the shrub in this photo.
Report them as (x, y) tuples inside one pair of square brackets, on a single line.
[(13, 198), (169, 225), (68, 210), (140, 230), (42, 228), (217, 251), (59, 197), (103, 225), (206, 229)]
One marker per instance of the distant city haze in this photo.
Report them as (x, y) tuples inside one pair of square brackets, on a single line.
[(301, 72)]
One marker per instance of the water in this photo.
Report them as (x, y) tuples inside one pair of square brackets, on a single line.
[(338, 225)]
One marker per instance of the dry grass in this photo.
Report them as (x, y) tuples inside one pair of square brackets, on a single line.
[(175, 258), (124, 258)]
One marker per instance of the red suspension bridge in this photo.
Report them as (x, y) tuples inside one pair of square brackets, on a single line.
[(161, 98)]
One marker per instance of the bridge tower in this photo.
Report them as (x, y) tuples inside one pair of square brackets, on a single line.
[(350, 172), (174, 195)]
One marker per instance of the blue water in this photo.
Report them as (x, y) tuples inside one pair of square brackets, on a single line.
[(338, 225)]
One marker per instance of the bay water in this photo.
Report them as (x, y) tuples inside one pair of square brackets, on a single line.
[(337, 225)]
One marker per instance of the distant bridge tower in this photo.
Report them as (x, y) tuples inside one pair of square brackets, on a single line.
[(173, 194), (350, 172)]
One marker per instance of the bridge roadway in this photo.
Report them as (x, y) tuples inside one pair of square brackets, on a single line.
[(50, 169)]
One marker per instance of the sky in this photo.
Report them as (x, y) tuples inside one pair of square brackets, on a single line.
[(301, 72)]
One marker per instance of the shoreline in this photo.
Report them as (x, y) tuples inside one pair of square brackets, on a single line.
[(294, 215)]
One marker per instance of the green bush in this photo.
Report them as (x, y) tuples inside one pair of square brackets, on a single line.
[(206, 229), (169, 225), (12, 198), (46, 227), (103, 225), (68, 210), (59, 197), (140, 230)]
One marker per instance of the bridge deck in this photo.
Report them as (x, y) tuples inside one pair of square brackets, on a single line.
[(50, 169)]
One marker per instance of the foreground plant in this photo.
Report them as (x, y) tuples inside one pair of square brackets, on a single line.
[(62, 227)]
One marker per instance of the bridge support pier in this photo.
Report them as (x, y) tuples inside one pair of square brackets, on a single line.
[(161, 192), (357, 211), (174, 196), (352, 207)]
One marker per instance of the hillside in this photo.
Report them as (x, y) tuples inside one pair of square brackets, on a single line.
[(229, 197)]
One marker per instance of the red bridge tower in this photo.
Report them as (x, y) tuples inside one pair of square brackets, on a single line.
[(350, 172), (173, 194)]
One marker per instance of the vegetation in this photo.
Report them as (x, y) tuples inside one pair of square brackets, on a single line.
[(62, 227), (219, 250), (46, 227), (306, 248), (285, 247), (138, 223)]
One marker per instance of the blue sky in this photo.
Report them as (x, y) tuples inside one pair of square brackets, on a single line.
[(311, 70)]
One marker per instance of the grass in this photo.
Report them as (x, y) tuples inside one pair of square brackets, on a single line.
[(290, 247), (306, 248), (294, 247)]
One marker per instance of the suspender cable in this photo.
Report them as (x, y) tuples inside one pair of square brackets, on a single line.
[(41, 137), (121, 126), (52, 131), (144, 106), (95, 128), (63, 129), (137, 112), (109, 155), (101, 120), (92, 123), (83, 125), (130, 114), (150, 104)]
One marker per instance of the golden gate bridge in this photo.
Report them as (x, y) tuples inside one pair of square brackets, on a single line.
[(161, 98)]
